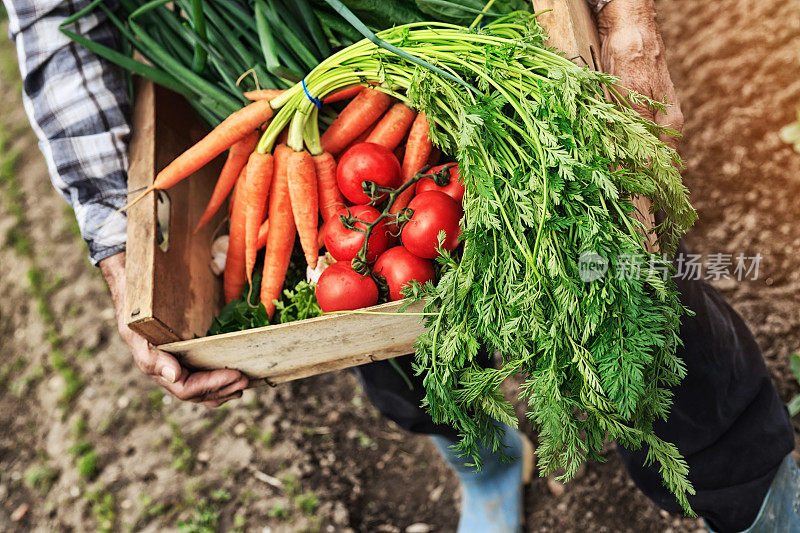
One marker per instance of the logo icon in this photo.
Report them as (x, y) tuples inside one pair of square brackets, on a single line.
[(591, 267)]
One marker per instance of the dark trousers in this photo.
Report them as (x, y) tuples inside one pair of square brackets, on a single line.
[(727, 419)]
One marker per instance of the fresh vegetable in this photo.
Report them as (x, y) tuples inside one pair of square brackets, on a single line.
[(263, 94), (399, 267), (392, 128), (262, 235), (236, 161), (235, 277), (330, 197), (547, 164), (340, 288), (359, 114), (231, 130), (259, 178), (281, 235), (346, 231), (305, 203), (433, 213), (418, 150), (344, 94), (446, 179), (367, 162)]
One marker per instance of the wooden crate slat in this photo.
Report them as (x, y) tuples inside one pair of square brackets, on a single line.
[(300, 349)]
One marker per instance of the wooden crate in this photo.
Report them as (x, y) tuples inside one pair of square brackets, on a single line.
[(172, 296)]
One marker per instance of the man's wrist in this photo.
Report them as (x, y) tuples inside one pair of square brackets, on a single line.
[(113, 270), (626, 13)]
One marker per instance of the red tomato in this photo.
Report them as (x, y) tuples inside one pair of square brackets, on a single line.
[(366, 162), (340, 288), (454, 189), (399, 267), (433, 211), (344, 244)]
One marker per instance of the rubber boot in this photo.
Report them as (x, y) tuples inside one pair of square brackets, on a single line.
[(491, 500), (780, 511)]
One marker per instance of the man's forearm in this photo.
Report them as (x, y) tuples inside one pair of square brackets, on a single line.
[(78, 106)]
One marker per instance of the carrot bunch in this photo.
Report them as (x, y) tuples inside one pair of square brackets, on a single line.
[(282, 179)]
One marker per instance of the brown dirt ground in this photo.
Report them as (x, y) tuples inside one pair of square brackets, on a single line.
[(313, 455)]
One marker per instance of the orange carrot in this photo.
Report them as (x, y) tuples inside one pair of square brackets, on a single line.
[(262, 235), (360, 139), (234, 277), (237, 160), (281, 234), (237, 125), (365, 109), (330, 197), (343, 94), (305, 202), (393, 127), (236, 188), (418, 150), (263, 94), (259, 178)]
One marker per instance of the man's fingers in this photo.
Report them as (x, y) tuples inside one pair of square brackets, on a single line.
[(217, 403), (673, 118), (166, 366), (202, 386)]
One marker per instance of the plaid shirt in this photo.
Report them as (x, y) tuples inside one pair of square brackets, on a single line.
[(78, 106)]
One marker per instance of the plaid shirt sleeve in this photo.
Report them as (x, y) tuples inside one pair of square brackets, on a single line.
[(78, 106)]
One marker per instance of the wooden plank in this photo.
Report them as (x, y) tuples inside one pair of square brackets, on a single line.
[(171, 294), (300, 349), (572, 29)]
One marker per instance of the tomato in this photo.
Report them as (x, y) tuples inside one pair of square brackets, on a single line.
[(433, 211), (399, 267), (340, 288), (366, 162), (344, 244), (454, 189)]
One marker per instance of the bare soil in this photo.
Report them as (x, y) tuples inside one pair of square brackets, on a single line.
[(87, 443)]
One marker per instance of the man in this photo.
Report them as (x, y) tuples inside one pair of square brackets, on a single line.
[(727, 419)]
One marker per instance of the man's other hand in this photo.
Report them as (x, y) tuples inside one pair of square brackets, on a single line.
[(211, 388), (632, 49)]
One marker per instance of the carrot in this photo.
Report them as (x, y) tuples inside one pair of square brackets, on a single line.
[(305, 202), (343, 94), (365, 109), (393, 127), (236, 188), (259, 178), (330, 198), (262, 235), (263, 94), (234, 278), (418, 150), (237, 125), (237, 160), (360, 139), (280, 237)]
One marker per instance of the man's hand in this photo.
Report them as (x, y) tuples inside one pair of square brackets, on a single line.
[(632, 49), (209, 388)]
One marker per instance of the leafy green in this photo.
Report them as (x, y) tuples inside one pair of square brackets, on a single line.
[(464, 11), (297, 303)]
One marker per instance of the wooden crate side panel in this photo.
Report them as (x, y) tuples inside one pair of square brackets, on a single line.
[(308, 347), (187, 293), (141, 238)]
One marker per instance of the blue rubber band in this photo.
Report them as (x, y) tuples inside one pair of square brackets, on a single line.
[(316, 101)]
